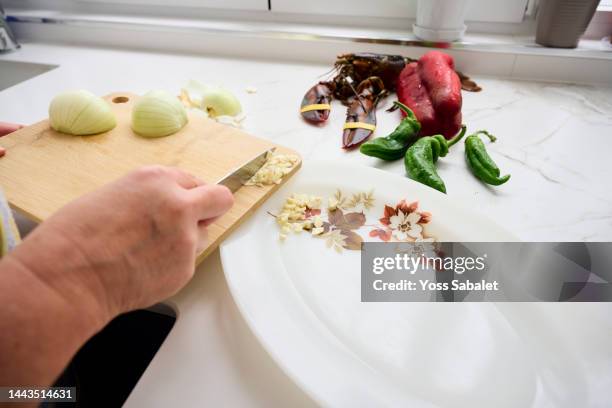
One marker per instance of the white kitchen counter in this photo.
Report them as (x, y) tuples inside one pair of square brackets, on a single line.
[(553, 138)]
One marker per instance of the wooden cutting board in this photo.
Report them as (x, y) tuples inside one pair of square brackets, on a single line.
[(44, 169)]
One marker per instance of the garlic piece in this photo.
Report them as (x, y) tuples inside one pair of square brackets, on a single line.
[(273, 171), (332, 204), (292, 217), (158, 114), (318, 231), (81, 113)]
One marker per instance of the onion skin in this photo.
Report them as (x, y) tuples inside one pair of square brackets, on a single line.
[(158, 114), (81, 113)]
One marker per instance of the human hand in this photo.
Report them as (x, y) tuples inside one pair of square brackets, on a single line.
[(6, 128), (127, 245)]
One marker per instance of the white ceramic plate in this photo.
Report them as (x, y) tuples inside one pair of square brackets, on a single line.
[(302, 300)]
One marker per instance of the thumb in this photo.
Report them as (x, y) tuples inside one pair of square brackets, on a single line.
[(211, 200)]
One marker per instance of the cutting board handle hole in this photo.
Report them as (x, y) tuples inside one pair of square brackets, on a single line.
[(120, 99)]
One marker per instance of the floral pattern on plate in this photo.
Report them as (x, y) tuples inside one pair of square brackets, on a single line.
[(345, 217)]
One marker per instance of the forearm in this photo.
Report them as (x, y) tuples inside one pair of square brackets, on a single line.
[(127, 245), (43, 321)]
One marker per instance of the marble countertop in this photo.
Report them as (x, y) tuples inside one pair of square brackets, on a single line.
[(553, 138)]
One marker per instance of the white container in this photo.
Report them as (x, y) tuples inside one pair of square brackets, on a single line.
[(440, 20)]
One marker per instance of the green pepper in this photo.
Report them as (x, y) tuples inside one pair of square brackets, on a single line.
[(480, 162), (394, 146), (421, 157)]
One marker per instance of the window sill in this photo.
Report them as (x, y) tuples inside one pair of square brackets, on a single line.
[(516, 44), (492, 54)]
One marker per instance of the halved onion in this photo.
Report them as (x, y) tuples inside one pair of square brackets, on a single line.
[(81, 113), (158, 114)]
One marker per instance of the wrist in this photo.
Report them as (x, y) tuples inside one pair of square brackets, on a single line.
[(58, 267), (43, 329)]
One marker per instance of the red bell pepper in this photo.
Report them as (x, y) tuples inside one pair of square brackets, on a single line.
[(432, 89)]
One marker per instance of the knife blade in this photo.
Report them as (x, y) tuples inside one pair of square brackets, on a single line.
[(240, 175)]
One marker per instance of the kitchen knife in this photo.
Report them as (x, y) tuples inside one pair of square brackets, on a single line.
[(237, 177)]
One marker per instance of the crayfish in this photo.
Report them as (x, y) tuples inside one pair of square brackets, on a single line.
[(375, 75)]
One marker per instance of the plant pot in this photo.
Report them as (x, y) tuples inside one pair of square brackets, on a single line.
[(561, 23)]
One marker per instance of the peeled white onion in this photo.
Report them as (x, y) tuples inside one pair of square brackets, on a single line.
[(81, 113), (220, 102), (158, 114), (214, 100)]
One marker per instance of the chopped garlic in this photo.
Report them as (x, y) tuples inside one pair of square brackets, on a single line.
[(292, 217), (317, 231), (273, 171), (251, 89), (332, 204)]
